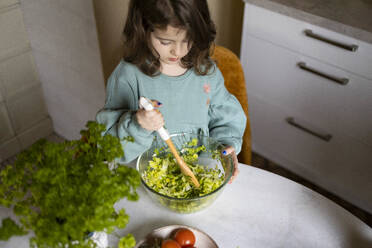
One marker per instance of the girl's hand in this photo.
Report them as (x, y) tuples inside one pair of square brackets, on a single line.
[(151, 120), (231, 150)]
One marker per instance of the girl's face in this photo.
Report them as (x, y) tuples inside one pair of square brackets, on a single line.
[(171, 44)]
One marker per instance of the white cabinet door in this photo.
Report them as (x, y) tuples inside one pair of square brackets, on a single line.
[(290, 33), (273, 73), (303, 91), (342, 165)]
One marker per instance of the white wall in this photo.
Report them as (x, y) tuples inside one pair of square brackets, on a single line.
[(64, 43), (23, 115)]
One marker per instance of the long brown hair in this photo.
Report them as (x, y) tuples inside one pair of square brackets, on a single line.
[(146, 15)]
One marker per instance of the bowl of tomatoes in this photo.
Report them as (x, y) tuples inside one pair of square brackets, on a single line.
[(177, 236)]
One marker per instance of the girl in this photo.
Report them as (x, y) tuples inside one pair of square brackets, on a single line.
[(167, 48)]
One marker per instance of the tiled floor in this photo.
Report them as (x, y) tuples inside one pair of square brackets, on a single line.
[(263, 163)]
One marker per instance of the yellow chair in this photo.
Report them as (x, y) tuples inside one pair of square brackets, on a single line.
[(232, 71)]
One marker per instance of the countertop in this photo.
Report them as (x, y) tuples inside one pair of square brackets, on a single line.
[(348, 17)]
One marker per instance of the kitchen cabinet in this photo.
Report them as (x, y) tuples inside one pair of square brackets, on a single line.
[(310, 101)]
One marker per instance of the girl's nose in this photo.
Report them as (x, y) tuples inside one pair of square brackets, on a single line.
[(176, 50)]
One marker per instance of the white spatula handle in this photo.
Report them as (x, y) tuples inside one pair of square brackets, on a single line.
[(147, 105)]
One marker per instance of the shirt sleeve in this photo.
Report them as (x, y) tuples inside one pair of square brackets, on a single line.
[(227, 119), (118, 115)]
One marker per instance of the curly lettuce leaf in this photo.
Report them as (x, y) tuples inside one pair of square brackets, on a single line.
[(164, 175)]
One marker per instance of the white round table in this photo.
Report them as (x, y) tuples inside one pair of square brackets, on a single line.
[(259, 209)]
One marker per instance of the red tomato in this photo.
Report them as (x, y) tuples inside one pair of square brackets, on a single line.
[(185, 237), (170, 243)]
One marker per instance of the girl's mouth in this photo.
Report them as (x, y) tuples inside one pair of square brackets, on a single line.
[(173, 59)]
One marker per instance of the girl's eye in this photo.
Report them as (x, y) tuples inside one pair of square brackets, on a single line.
[(164, 43)]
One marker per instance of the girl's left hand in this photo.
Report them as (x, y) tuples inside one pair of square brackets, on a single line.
[(231, 150)]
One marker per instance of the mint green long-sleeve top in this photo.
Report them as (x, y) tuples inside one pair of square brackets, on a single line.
[(190, 103)]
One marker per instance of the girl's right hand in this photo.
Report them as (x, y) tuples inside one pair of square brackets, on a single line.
[(150, 120)]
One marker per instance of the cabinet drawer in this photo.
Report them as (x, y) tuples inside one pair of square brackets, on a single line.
[(273, 73), (342, 165), (290, 33)]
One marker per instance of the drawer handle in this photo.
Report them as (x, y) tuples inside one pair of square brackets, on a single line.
[(325, 137), (349, 47), (342, 81)]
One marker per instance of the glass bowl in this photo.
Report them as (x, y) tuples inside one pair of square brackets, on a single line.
[(210, 158)]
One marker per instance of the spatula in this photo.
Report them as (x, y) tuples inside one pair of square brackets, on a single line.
[(147, 105)]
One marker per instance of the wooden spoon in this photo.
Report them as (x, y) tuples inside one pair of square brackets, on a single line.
[(147, 105)]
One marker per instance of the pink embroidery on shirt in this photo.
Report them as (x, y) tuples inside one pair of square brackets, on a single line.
[(207, 88)]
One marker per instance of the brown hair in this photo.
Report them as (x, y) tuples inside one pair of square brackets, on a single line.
[(146, 15)]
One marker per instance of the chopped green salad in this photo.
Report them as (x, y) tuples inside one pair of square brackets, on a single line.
[(164, 175)]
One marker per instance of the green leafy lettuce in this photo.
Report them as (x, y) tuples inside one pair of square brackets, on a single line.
[(164, 175), (63, 191)]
